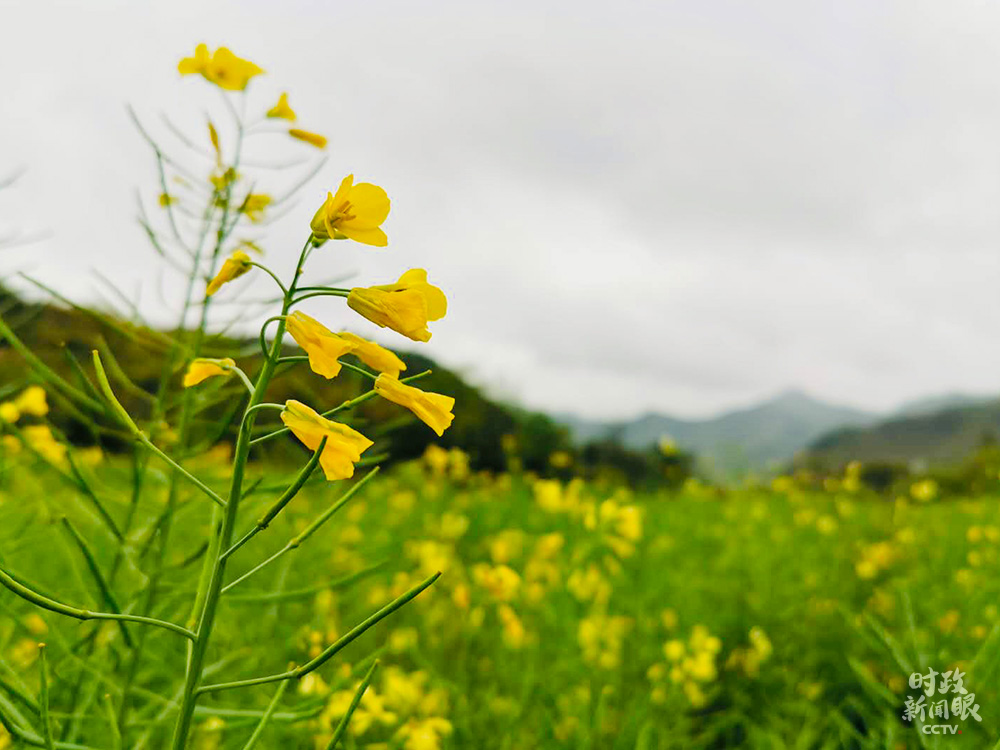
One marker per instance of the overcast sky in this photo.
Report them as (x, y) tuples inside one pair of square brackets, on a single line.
[(632, 206)]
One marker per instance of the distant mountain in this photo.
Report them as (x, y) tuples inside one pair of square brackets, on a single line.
[(933, 404), (736, 441), (941, 436)]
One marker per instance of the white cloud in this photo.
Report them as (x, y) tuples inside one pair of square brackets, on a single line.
[(677, 206)]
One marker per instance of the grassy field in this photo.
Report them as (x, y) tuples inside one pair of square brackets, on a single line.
[(567, 616)]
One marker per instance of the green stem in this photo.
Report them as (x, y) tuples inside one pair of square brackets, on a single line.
[(263, 331), (270, 273), (102, 380), (266, 718), (211, 587), (342, 726), (43, 699), (297, 540), (356, 632), (324, 293), (286, 497), (83, 614)]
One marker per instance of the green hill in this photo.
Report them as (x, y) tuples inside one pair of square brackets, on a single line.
[(63, 338), (941, 437), (736, 441)]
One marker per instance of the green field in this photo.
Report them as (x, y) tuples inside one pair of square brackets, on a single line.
[(567, 616)]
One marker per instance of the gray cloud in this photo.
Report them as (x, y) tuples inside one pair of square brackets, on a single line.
[(680, 206)]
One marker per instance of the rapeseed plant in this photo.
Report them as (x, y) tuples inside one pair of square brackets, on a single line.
[(356, 211)]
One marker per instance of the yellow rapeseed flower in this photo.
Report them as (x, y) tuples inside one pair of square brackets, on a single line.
[(9, 412), (40, 438), (323, 346), (223, 68), (313, 139), (32, 401), (282, 110), (213, 136), (354, 212), (424, 734), (254, 206), (344, 445), (405, 307), (235, 266), (376, 357), (202, 369), (433, 409)]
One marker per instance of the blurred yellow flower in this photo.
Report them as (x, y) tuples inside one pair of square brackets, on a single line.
[(202, 369), (9, 412), (223, 68), (282, 110), (323, 346), (41, 439), (313, 139), (234, 266), (513, 629), (924, 491), (674, 650), (344, 445), (424, 734), (254, 205), (354, 212), (32, 401), (433, 409), (560, 460), (501, 582), (376, 357), (405, 307), (435, 457)]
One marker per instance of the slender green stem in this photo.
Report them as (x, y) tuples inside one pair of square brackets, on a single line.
[(52, 605), (99, 580), (360, 370), (324, 293), (344, 406), (338, 733), (297, 540), (270, 273), (43, 699), (285, 498), (266, 718), (211, 587), (263, 332), (116, 735), (102, 380), (243, 377), (356, 632), (47, 372), (212, 494)]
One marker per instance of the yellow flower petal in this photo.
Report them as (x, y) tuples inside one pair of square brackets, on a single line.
[(433, 409), (202, 369), (354, 212), (344, 445), (322, 345), (405, 306), (376, 357), (282, 110), (32, 401), (235, 266), (313, 139), (223, 68)]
